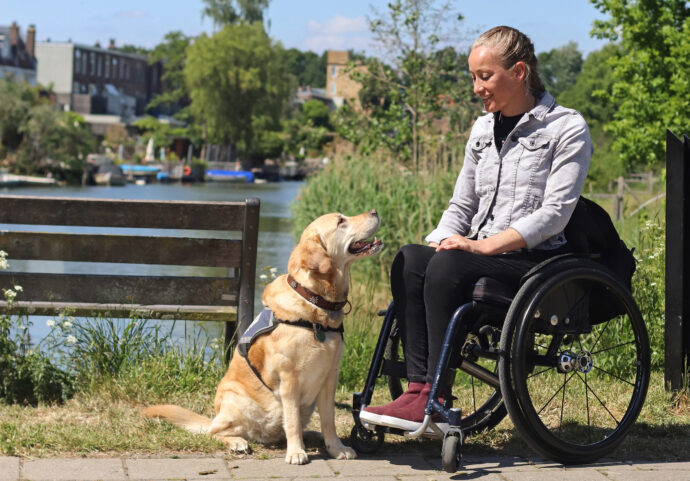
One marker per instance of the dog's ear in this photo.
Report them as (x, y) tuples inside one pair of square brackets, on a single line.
[(311, 254)]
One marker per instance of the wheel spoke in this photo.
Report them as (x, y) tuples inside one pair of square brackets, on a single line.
[(600, 334), (613, 375), (540, 372), (555, 394), (600, 401), (614, 347), (563, 401)]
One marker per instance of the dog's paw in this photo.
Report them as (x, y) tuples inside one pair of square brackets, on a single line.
[(236, 444), (298, 456), (342, 452)]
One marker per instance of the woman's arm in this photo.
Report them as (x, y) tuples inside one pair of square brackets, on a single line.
[(506, 241)]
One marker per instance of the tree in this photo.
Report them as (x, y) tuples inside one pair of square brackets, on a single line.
[(592, 96), (423, 84), (35, 137), (307, 67), (238, 85), (560, 67), (172, 53), (229, 12), (651, 77)]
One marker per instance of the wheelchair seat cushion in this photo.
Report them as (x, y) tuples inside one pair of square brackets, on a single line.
[(492, 291)]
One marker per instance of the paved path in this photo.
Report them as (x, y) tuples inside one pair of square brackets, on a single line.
[(392, 468)]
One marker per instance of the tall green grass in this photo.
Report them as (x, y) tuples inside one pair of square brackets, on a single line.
[(410, 205)]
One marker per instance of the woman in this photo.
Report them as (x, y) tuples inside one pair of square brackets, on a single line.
[(525, 165)]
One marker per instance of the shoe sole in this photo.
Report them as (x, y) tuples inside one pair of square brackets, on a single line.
[(397, 423)]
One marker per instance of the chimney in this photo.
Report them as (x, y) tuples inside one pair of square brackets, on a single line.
[(112, 44), (14, 34), (31, 40)]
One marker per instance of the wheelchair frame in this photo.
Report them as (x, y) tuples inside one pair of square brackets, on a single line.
[(557, 298)]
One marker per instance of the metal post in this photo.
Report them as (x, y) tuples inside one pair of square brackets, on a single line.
[(677, 336)]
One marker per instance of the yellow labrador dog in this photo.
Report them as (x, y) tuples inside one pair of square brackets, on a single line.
[(271, 393)]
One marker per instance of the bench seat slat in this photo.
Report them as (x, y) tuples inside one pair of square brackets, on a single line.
[(191, 313), (122, 249), (169, 290), (122, 213)]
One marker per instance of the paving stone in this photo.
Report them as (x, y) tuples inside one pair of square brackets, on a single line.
[(189, 468), (637, 475), (382, 466), (74, 469), (492, 464), (9, 468), (278, 468), (657, 466), (553, 474)]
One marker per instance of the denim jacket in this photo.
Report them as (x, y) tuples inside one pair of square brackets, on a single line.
[(531, 185)]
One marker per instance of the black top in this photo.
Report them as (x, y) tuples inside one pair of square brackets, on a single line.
[(503, 126)]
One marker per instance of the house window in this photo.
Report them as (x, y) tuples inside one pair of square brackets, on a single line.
[(332, 88), (92, 63), (334, 71), (107, 66), (100, 65)]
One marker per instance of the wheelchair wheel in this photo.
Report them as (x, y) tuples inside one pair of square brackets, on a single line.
[(482, 406), (366, 442), (573, 381), (451, 455)]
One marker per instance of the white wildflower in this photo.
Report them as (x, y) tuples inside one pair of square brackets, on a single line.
[(66, 324), (18, 288), (71, 339), (50, 323), (263, 277), (274, 270), (10, 294)]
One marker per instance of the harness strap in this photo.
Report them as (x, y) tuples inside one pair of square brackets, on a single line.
[(318, 334)]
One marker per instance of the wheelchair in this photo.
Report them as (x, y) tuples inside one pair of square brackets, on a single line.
[(566, 356)]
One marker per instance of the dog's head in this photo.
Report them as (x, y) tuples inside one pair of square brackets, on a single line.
[(334, 241)]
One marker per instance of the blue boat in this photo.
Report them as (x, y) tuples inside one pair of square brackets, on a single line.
[(222, 175)]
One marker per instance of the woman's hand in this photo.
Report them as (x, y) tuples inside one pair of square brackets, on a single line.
[(506, 241), (461, 243)]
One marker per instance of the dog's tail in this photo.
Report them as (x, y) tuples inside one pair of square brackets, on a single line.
[(184, 418)]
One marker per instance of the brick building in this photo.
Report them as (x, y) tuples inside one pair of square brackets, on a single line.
[(17, 55), (339, 85)]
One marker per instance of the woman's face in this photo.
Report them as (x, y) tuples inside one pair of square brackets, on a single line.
[(500, 89)]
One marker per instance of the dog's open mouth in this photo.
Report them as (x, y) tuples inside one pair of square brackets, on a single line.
[(365, 247)]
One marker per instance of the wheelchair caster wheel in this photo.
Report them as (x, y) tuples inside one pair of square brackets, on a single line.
[(365, 441), (451, 455)]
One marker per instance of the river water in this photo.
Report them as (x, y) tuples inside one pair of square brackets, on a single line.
[(275, 230)]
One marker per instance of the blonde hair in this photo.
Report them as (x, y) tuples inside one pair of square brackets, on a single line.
[(513, 46)]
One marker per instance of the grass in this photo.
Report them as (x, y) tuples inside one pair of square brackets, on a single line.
[(106, 424)]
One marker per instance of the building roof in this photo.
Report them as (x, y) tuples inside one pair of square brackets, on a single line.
[(18, 57), (338, 57)]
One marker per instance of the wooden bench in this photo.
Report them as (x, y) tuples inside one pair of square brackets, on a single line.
[(120, 268)]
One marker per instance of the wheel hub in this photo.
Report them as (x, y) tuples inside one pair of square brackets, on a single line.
[(568, 361), (584, 361)]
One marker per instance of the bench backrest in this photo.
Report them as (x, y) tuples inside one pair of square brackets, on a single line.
[(111, 244)]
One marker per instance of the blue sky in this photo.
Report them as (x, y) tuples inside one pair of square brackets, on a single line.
[(305, 24)]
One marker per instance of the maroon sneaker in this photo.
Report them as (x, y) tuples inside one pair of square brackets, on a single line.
[(408, 416), (372, 414)]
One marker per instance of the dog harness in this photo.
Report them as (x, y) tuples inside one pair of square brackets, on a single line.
[(264, 323)]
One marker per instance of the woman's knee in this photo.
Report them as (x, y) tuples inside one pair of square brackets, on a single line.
[(411, 258), (447, 270)]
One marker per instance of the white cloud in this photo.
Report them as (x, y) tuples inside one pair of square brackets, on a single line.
[(130, 14), (338, 25)]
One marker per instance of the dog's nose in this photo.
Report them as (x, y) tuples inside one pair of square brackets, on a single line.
[(374, 213)]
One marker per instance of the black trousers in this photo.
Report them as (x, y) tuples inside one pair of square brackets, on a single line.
[(428, 286)]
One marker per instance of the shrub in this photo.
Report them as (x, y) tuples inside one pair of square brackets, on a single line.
[(27, 374)]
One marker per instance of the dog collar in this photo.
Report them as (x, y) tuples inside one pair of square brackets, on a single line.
[(314, 298)]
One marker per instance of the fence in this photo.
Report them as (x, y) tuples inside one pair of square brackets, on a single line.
[(624, 187)]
